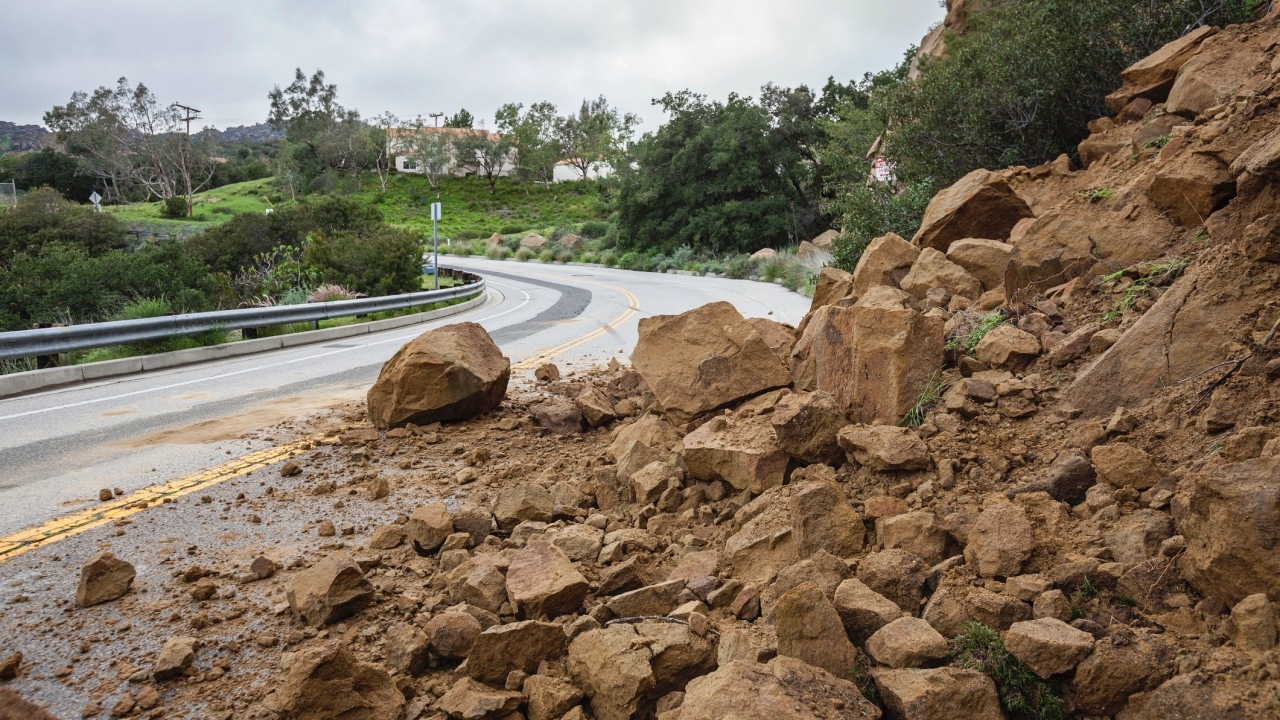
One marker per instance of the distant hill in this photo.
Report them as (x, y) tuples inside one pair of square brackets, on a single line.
[(250, 133), (19, 138)]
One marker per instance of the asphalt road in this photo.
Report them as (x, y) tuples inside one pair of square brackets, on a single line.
[(58, 448)]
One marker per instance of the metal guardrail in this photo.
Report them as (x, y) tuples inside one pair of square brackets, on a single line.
[(57, 340)]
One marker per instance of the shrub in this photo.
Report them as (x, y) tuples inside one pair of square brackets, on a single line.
[(740, 267), (511, 229), (589, 257), (872, 210), (773, 268), (174, 208), (712, 267), (682, 256), (524, 254), (634, 261), (497, 252), (594, 229), (609, 258), (467, 235), (511, 242), (1022, 693), (330, 292), (564, 255), (546, 255), (462, 249), (381, 262)]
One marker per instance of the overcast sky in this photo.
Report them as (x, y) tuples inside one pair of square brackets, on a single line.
[(414, 57)]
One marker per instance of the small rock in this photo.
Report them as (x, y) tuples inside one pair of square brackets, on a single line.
[(406, 649), (471, 700), (379, 488), (326, 528), (1048, 646), (885, 447), (452, 634), (11, 666), (809, 629), (105, 494), (906, 642), (1000, 541), (550, 697), (263, 567), (332, 589), (542, 580), (863, 610), (325, 681), (176, 656), (1253, 623), (938, 694), (428, 527), (103, 579), (521, 646), (290, 469), (1122, 464)]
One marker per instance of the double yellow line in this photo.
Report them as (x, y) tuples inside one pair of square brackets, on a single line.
[(23, 541)]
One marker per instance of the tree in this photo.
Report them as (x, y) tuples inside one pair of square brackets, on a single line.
[(131, 142), (325, 135), (532, 136), (43, 217), (488, 154), (462, 119), (597, 132), (430, 150), (716, 177), (381, 157)]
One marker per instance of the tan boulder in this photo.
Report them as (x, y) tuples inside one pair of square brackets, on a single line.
[(104, 578), (1226, 557), (886, 297), (596, 407), (886, 261), (784, 689), (326, 682), (933, 270), (1202, 696), (822, 569), (522, 646), (809, 629), (472, 700), (863, 610), (450, 373), (806, 425), (765, 544), (885, 447), (328, 591), (428, 527), (1122, 464), (875, 362), (547, 372), (624, 669), (938, 694), (826, 240), (920, 533), (1000, 540), (1048, 646), (14, 707), (896, 574), (807, 250), (780, 337), (1191, 186), (176, 656), (1262, 158), (741, 451), (517, 504), (479, 581), (906, 642), (979, 205), (1253, 623), (764, 254), (650, 431), (658, 599), (495, 240), (543, 581), (1008, 348), (824, 520), (452, 634), (1106, 679), (995, 610), (704, 359), (550, 697), (1222, 66), (571, 241), (986, 260), (533, 241), (1152, 77), (406, 649)]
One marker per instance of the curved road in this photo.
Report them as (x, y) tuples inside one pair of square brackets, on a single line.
[(59, 447)]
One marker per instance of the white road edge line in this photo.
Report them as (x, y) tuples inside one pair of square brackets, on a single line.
[(94, 401)]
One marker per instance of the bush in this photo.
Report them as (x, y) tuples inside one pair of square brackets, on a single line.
[(773, 268), (712, 267), (329, 292), (497, 252), (546, 255), (564, 255), (511, 229), (634, 261), (525, 254), (740, 267), (385, 261), (682, 256), (594, 229), (873, 210), (44, 217), (609, 258), (174, 208), (467, 235)]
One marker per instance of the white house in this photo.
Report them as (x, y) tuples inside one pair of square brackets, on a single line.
[(567, 171), (400, 143)]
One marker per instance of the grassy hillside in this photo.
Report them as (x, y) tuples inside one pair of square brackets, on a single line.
[(469, 209)]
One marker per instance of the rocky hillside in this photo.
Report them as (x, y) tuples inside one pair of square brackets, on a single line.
[(19, 138), (1025, 464)]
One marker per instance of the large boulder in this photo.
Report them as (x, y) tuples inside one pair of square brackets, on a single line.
[(1152, 77), (933, 270), (1229, 516), (784, 689), (739, 450), (938, 694), (863, 610), (979, 205), (824, 520), (1191, 186), (1222, 66), (833, 286), (986, 260), (806, 425), (624, 669), (1048, 646), (328, 591), (450, 373), (884, 447), (886, 261), (809, 629), (704, 359), (543, 581), (516, 646), (874, 361), (533, 241), (103, 579), (326, 682), (1000, 541), (1118, 668)]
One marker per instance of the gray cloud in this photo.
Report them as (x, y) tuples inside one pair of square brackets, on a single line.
[(419, 56)]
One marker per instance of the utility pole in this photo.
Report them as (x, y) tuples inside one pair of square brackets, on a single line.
[(191, 114), (436, 117)]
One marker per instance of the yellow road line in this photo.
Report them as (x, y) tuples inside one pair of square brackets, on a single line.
[(14, 545), (23, 541)]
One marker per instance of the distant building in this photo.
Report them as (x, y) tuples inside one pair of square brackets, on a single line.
[(399, 143), (567, 171)]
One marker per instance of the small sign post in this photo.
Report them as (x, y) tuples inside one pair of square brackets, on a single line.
[(435, 242), (96, 199), (882, 169)]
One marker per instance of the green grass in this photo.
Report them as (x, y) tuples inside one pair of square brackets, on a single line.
[(932, 392), (969, 339), (1154, 275), (212, 207), (1022, 693)]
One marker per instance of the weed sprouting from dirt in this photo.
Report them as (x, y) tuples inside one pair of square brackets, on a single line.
[(1022, 693), (932, 392)]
